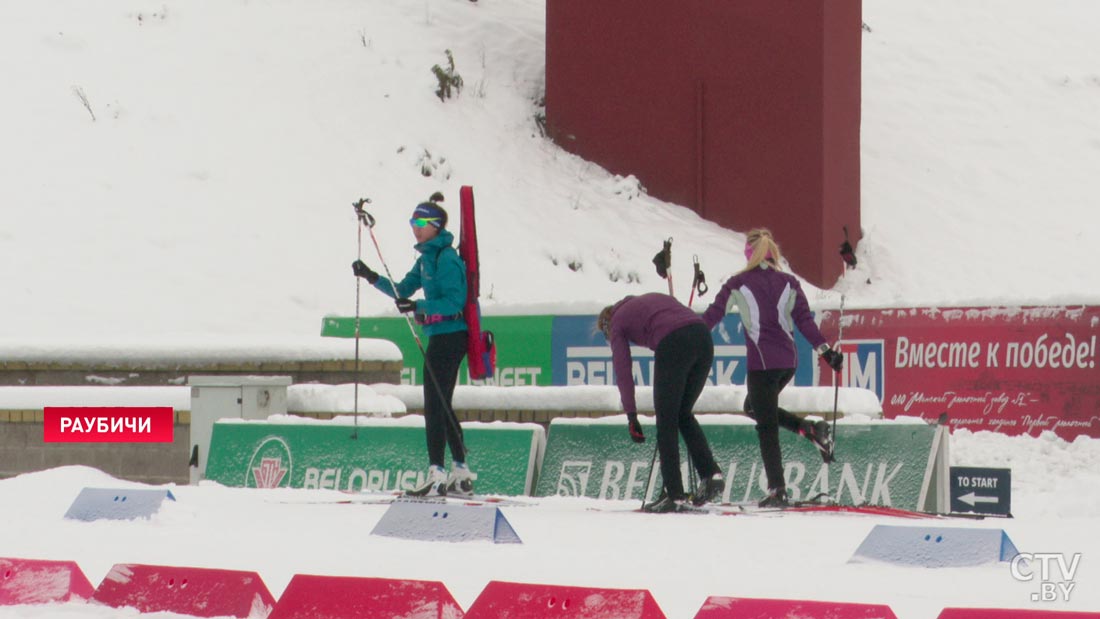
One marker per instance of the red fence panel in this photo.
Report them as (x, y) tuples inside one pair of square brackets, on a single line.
[(343, 597), (509, 600), (199, 592), (1000, 613), (747, 608), (34, 581)]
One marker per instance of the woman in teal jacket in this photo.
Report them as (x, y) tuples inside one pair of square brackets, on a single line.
[(441, 274)]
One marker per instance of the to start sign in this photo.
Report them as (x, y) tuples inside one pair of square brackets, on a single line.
[(981, 490)]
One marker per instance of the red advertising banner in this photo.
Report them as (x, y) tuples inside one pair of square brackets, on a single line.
[(107, 424), (1011, 370)]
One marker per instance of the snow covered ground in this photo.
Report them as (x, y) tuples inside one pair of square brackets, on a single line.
[(183, 171), (681, 559)]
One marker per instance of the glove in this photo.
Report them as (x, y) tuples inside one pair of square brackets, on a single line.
[(405, 305), (362, 270), (663, 260), (635, 428), (833, 358)]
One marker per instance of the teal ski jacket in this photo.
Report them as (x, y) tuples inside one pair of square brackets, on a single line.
[(441, 273)]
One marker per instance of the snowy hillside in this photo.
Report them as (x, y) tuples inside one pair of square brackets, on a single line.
[(211, 193)]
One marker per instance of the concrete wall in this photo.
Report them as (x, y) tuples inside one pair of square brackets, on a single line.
[(746, 111), (22, 450)]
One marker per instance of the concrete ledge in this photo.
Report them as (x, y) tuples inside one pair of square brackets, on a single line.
[(305, 360), (136, 374)]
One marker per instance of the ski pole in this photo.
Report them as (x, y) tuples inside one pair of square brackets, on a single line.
[(358, 256), (698, 282), (668, 254), (836, 375), (449, 413), (694, 280), (649, 478), (692, 486)]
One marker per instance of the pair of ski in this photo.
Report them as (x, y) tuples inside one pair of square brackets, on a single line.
[(455, 499), (386, 498), (730, 509), (819, 504)]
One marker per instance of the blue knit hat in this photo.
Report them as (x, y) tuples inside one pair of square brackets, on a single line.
[(429, 213)]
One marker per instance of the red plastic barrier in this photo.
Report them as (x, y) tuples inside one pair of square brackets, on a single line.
[(746, 608), (33, 581), (345, 597), (510, 599), (1000, 613), (192, 591)]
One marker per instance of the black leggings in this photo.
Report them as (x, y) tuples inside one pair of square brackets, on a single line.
[(762, 404), (444, 354), (682, 363)]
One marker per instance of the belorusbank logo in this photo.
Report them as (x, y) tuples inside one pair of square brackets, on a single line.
[(270, 466), (573, 479)]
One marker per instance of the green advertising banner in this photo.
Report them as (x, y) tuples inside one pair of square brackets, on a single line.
[(877, 463), (385, 455), (523, 346)]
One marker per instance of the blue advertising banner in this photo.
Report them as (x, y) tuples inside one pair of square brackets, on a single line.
[(580, 355)]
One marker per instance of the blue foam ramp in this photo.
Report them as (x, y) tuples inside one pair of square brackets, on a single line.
[(935, 546), (117, 504), (446, 522)]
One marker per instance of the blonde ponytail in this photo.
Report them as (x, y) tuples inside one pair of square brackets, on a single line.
[(764, 248)]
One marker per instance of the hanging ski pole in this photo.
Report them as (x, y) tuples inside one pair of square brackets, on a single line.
[(361, 215), (836, 375), (698, 282), (449, 413), (663, 262)]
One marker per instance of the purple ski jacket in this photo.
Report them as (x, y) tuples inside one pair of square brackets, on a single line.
[(772, 305), (644, 320)]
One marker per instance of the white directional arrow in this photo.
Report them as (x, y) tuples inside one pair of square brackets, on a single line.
[(971, 499)]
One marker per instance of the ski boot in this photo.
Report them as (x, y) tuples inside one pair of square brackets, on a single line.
[(710, 491), (435, 484), (666, 504), (461, 480), (821, 435), (777, 497)]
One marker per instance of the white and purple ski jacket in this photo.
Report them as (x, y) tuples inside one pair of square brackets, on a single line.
[(772, 305)]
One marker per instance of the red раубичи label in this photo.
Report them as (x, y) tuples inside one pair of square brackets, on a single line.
[(107, 424)]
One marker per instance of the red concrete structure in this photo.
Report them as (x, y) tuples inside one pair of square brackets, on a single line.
[(505, 600), (41, 581), (746, 111), (717, 607), (195, 591)]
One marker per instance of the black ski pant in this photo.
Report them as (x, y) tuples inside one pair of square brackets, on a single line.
[(444, 355), (682, 363), (762, 404)]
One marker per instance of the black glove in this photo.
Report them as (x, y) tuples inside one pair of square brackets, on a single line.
[(663, 260), (361, 269), (833, 358), (405, 305), (635, 428)]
